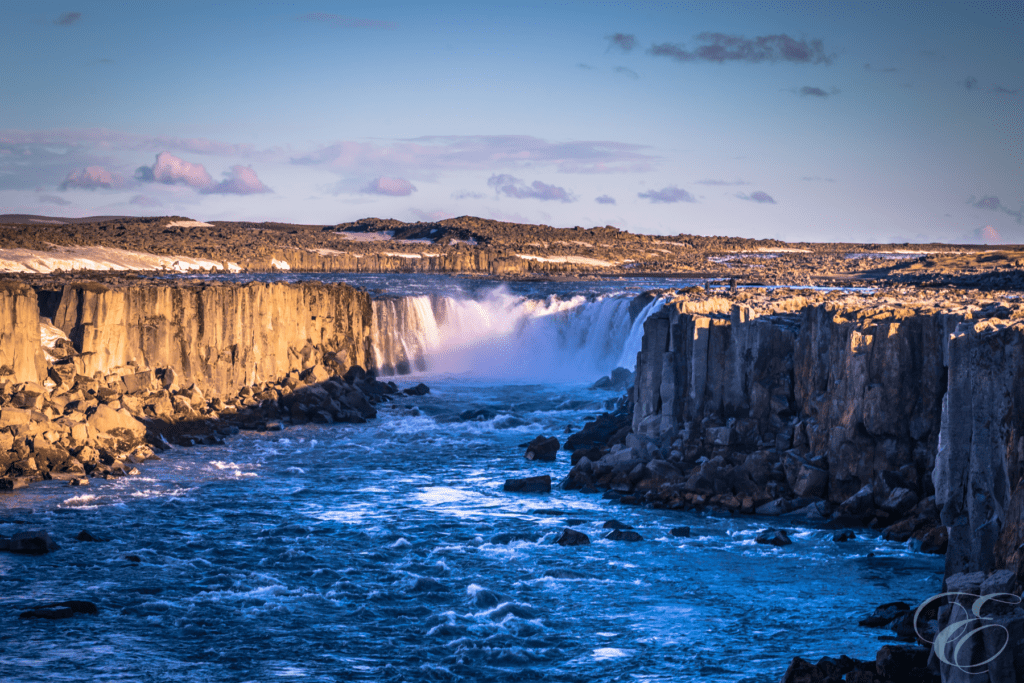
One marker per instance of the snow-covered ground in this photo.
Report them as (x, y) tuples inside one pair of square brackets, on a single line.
[(100, 258), (189, 224), (582, 260)]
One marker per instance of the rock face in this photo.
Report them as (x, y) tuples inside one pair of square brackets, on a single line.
[(217, 337), (21, 354)]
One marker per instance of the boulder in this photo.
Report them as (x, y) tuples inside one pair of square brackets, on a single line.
[(541, 484), (616, 524), (843, 536), (29, 543), (115, 431), (420, 389), (571, 537), (681, 532), (776, 537), (885, 614), (542, 448), (624, 535), (60, 610), (810, 481)]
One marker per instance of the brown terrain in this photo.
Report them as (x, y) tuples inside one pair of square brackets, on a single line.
[(492, 248)]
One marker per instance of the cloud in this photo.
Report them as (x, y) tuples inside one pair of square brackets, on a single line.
[(480, 152), (605, 199), (514, 187), (467, 194), (992, 203), (345, 22), (92, 178), (720, 47), (390, 187), (115, 140), (53, 199), (431, 216), (759, 197), (143, 200), (812, 91), (239, 180), (171, 170), (68, 18), (667, 195), (970, 83), (624, 41), (710, 181), (626, 72), (586, 67)]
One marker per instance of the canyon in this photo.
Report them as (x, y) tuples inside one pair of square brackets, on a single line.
[(897, 407)]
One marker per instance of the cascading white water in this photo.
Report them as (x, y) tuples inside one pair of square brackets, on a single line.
[(501, 335)]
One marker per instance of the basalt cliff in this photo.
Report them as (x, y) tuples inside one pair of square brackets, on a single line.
[(903, 411)]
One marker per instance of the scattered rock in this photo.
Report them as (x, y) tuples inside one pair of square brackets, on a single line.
[(420, 389), (885, 614), (60, 610), (616, 524), (681, 532), (541, 484), (571, 537), (29, 543), (776, 537), (624, 535), (843, 536), (543, 448)]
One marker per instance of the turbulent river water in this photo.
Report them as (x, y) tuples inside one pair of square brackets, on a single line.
[(389, 552)]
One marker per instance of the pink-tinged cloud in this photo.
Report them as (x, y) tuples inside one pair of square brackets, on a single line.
[(92, 178), (667, 195), (171, 170), (389, 187), (239, 180), (988, 235), (53, 199), (143, 200), (514, 187)]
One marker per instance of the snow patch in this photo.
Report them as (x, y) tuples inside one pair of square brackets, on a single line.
[(189, 224), (581, 260), (96, 258), (279, 265), (367, 236)]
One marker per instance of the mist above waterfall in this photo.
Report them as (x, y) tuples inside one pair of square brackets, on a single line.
[(500, 335)]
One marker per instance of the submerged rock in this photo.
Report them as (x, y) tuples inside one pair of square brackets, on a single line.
[(60, 610), (624, 535), (543, 448), (541, 484), (29, 543), (681, 532)]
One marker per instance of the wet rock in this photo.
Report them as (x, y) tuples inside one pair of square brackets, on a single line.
[(571, 537), (616, 524), (505, 539), (829, 670), (86, 537), (29, 543), (478, 415), (775, 537), (420, 389), (885, 614), (898, 663), (681, 532), (543, 448), (624, 535), (843, 536), (541, 484), (60, 610)]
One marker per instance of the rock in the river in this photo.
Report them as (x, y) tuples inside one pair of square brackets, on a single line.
[(681, 532), (885, 614), (541, 484), (60, 610), (776, 537), (616, 524), (543, 448), (843, 536), (29, 543), (624, 535), (420, 389), (86, 537), (572, 537)]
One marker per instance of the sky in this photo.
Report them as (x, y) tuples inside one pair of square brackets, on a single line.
[(855, 122)]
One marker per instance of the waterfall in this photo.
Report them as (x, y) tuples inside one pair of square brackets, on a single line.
[(502, 335)]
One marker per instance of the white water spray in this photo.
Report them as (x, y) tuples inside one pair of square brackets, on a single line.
[(501, 335)]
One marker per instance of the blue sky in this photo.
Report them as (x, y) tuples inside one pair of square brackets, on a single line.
[(862, 121)]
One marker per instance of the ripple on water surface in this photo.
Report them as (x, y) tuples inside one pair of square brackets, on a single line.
[(389, 552)]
